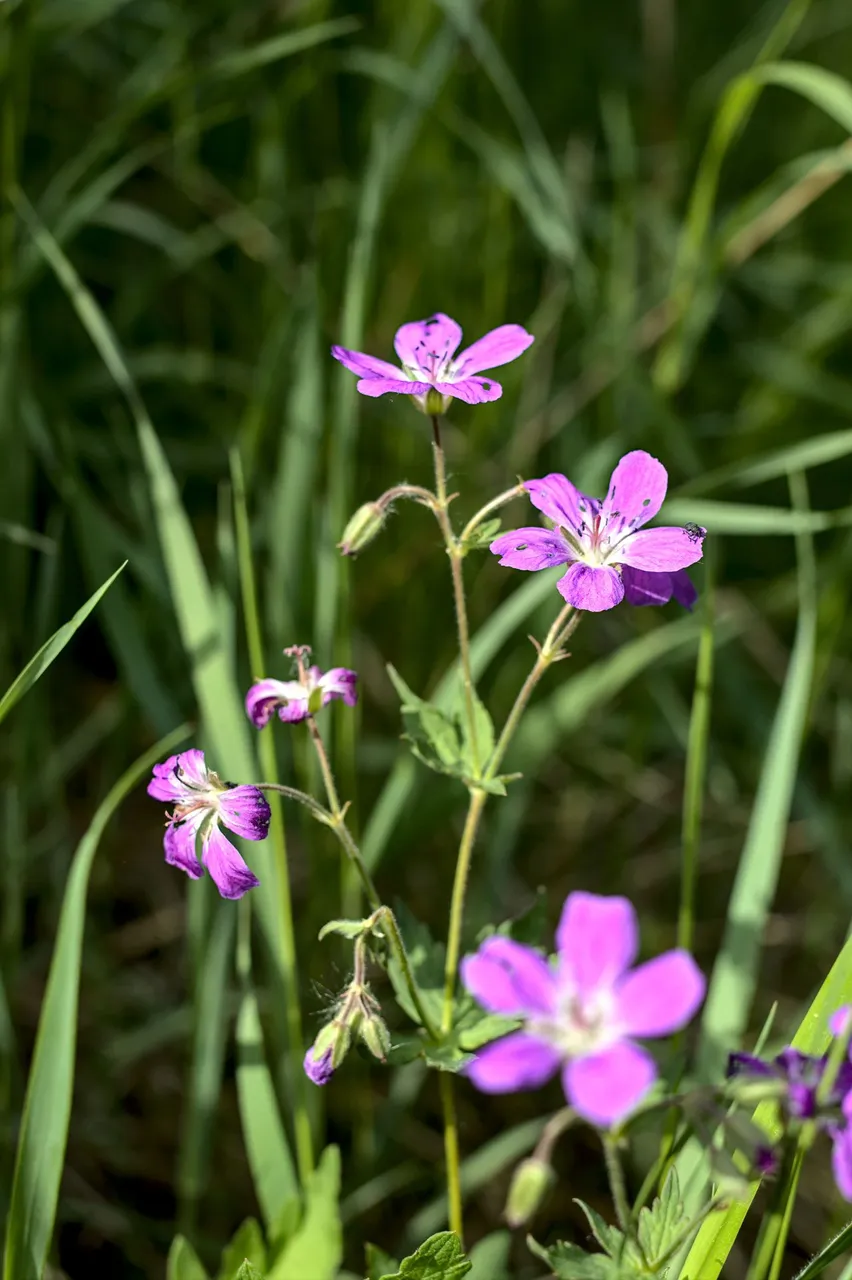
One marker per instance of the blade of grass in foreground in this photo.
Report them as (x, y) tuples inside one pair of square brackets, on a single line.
[(47, 1106)]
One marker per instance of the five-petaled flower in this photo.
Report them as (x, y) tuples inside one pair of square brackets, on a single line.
[(582, 1013), (609, 554), (201, 802), (432, 374), (297, 699)]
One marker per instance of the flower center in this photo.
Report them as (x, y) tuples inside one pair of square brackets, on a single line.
[(581, 1025)]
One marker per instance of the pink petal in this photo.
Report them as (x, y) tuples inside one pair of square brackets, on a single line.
[(516, 1062), (839, 1019), (661, 996), (605, 1087), (366, 366), (165, 784), (392, 386), (507, 977), (495, 348), (339, 682), (179, 843), (192, 769), (841, 1162), (659, 550), (427, 345), (562, 503), (472, 390), (591, 589), (263, 698), (230, 874), (532, 548), (636, 491), (596, 939), (245, 811)]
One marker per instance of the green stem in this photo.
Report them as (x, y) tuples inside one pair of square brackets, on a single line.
[(516, 491), (338, 813), (471, 825), (615, 1173), (451, 1154), (388, 918)]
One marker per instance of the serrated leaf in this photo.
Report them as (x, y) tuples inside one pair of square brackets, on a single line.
[(570, 1262), (345, 928), (248, 1271), (662, 1223), (441, 1257), (432, 732), (246, 1245), (474, 1028), (426, 958), (446, 1056), (379, 1263), (483, 535), (183, 1262), (475, 762), (610, 1239)]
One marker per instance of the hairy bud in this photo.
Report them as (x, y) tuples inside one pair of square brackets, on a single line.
[(531, 1182), (363, 526)]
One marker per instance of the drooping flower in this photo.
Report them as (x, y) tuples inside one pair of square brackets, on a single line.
[(202, 801), (609, 554), (318, 1070), (297, 699), (432, 374), (582, 1014)]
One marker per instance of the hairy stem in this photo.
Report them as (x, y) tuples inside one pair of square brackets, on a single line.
[(388, 919), (451, 1154)]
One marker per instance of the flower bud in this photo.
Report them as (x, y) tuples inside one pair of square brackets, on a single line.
[(367, 522), (319, 1070), (374, 1034), (531, 1182)]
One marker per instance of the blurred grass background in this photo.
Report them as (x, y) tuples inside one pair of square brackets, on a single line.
[(238, 188)]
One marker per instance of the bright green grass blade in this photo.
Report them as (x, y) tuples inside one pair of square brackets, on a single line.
[(271, 1164), (823, 88), (316, 1250), (751, 521), (38, 664), (183, 1262), (839, 1245), (47, 1105), (283, 46), (814, 452)]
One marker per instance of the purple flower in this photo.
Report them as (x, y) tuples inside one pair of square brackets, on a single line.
[(297, 699), (427, 350), (609, 554), (201, 802), (581, 1015), (319, 1070)]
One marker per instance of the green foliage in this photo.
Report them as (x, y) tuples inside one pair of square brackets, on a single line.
[(441, 1257), (315, 1249), (272, 1170), (246, 1248), (183, 1262)]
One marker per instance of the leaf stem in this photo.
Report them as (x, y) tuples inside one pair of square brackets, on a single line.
[(388, 919), (451, 1154)]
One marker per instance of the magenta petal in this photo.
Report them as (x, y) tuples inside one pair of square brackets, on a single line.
[(659, 550), (179, 843), (636, 491), (263, 697), (507, 977), (339, 682), (471, 390), (596, 939), (605, 1087), (841, 1161), (495, 348), (165, 784), (366, 366), (391, 386), (838, 1020), (683, 589), (516, 1062), (591, 589), (319, 1070), (245, 811), (641, 588), (192, 768), (661, 996), (561, 502), (532, 548), (230, 874), (427, 345)]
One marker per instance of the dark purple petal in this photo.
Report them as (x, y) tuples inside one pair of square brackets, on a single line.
[(607, 1086), (661, 996), (319, 1070), (366, 366), (497, 347), (591, 589), (636, 491), (641, 588), (230, 874), (339, 682), (388, 386), (245, 811), (165, 784), (596, 940), (658, 550), (562, 503), (471, 390), (179, 843), (427, 345), (509, 978), (683, 589), (516, 1062), (745, 1064), (532, 548)]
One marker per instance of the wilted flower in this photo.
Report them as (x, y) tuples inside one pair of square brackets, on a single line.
[(431, 373), (297, 699), (201, 802), (609, 554), (581, 1015)]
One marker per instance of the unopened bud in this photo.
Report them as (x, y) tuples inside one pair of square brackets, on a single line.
[(318, 1069), (375, 1036), (531, 1182), (367, 522)]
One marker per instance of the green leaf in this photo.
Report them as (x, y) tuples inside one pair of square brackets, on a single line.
[(441, 1257), (246, 1245), (490, 1257), (183, 1262), (823, 88), (39, 663), (426, 958), (248, 1271), (47, 1104), (570, 1262), (484, 738), (272, 1170), (662, 1223), (379, 1263), (316, 1249), (428, 727), (837, 1247), (483, 535), (610, 1239)]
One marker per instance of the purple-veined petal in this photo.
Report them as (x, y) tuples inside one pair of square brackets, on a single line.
[(389, 386), (229, 872), (532, 548), (495, 348), (165, 784), (426, 346), (591, 589), (516, 1062), (562, 503), (339, 682), (641, 588), (364, 365), (245, 811), (661, 996), (636, 491), (179, 843), (841, 1161), (263, 698), (605, 1087), (319, 1070), (683, 589), (192, 769), (596, 940), (471, 390), (507, 977), (660, 550)]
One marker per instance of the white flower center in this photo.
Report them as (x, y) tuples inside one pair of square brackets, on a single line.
[(581, 1025)]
